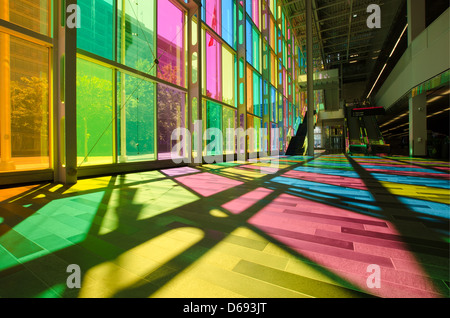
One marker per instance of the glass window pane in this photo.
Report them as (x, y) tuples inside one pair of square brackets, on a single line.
[(228, 21), (97, 32), (24, 105), (170, 43), (171, 115), (249, 44), (249, 83), (213, 68), (136, 118), (229, 121), (33, 15), (256, 49), (94, 113), (135, 35), (228, 76), (212, 15), (256, 94), (214, 120)]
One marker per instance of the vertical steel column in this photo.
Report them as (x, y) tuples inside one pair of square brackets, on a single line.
[(289, 71), (65, 101), (309, 78), (6, 162), (265, 12), (194, 80), (417, 104), (241, 94), (280, 78)]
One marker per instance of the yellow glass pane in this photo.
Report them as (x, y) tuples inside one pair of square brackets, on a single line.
[(227, 76), (24, 105)]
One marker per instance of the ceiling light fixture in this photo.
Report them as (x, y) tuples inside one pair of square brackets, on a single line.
[(385, 64), (401, 35), (434, 99)]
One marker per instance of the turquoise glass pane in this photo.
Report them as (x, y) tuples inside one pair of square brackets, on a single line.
[(214, 120), (249, 43), (96, 34), (136, 118), (228, 21)]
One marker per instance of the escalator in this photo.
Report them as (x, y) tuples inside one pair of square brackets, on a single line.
[(375, 140), (298, 144), (363, 133), (355, 140)]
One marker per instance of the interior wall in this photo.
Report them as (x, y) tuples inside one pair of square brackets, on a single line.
[(352, 91)]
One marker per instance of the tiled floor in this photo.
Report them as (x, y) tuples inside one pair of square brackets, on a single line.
[(309, 227)]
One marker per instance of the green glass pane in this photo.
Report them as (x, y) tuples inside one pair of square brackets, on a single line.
[(229, 117), (135, 35), (214, 120), (94, 113), (136, 114)]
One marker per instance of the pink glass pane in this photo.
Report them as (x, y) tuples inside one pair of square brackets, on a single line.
[(170, 43), (255, 12), (213, 15), (213, 68)]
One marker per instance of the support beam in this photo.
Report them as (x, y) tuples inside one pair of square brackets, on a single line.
[(6, 162), (309, 78), (65, 66), (194, 80), (416, 18), (418, 125), (241, 94)]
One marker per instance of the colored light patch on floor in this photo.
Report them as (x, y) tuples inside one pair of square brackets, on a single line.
[(207, 184), (179, 171), (245, 201), (16, 193), (245, 173), (327, 179), (309, 187), (343, 173), (417, 191), (59, 224), (135, 267), (410, 180), (318, 232), (407, 172), (381, 177), (89, 185)]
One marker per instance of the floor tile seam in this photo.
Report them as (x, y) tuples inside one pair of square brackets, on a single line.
[(269, 283), (422, 256), (301, 276)]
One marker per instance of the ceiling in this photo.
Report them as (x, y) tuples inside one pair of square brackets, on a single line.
[(341, 37)]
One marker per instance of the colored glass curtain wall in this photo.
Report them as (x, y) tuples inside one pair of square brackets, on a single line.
[(136, 35), (35, 16), (170, 43), (24, 105), (171, 115), (95, 120), (213, 67), (136, 118), (214, 135), (97, 34)]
